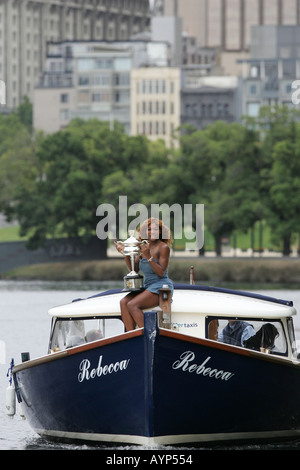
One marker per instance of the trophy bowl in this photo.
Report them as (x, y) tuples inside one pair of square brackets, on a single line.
[(133, 282)]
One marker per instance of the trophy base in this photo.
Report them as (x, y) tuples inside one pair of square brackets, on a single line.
[(133, 283)]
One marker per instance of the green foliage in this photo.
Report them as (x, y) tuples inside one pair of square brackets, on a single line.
[(242, 173)]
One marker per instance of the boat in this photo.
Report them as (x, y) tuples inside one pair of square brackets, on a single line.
[(166, 383)]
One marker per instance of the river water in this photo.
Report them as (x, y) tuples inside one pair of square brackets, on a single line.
[(25, 326)]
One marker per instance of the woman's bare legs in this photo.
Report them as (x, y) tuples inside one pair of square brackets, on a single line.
[(145, 299), (126, 317), (132, 307)]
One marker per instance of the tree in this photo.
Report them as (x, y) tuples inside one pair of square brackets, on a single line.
[(280, 175), (83, 166), (284, 196), (18, 165), (218, 168), (24, 113)]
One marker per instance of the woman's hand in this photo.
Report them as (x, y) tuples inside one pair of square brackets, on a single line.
[(145, 250), (119, 247)]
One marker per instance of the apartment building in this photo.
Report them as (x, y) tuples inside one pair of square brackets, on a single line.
[(85, 80), (27, 25), (155, 103), (91, 79), (273, 66)]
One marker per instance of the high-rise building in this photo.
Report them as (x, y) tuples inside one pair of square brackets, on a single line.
[(273, 66), (227, 23), (27, 25)]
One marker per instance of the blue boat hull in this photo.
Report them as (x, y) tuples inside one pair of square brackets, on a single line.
[(156, 386)]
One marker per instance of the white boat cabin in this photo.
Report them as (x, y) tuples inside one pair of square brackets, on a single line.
[(196, 311)]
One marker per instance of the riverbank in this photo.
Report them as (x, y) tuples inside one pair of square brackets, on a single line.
[(218, 271)]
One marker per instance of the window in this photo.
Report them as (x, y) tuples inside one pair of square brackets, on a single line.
[(100, 97), (253, 109), (122, 97), (259, 335), (64, 98), (101, 80), (121, 79), (122, 63), (252, 89), (220, 109), (83, 80), (85, 65), (70, 333), (64, 114)]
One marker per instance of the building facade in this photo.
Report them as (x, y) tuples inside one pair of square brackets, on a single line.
[(91, 79), (227, 23), (155, 103), (85, 80), (273, 66), (213, 99), (27, 25)]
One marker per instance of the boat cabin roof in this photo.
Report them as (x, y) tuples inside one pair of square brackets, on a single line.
[(186, 298)]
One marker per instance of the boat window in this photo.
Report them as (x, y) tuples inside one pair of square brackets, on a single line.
[(68, 333), (260, 335), (291, 331)]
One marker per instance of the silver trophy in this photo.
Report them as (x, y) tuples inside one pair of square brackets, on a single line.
[(133, 282)]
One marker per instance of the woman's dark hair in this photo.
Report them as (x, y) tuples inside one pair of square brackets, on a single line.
[(264, 338), (164, 231)]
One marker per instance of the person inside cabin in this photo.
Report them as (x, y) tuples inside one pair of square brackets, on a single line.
[(153, 263), (264, 339), (93, 335), (236, 332)]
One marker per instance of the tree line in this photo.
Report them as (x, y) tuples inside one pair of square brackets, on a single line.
[(242, 172)]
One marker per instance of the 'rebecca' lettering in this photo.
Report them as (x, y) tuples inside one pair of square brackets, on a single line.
[(86, 373), (185, 363)]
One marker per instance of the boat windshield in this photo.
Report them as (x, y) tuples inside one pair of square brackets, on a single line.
[(67, 333), (260, 335)]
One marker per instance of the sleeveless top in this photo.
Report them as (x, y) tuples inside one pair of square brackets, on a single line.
[(152, 281)]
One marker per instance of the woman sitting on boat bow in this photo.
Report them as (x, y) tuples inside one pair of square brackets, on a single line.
[(153, 263)]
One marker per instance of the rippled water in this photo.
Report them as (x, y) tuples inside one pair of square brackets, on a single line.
[(24, 326)]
